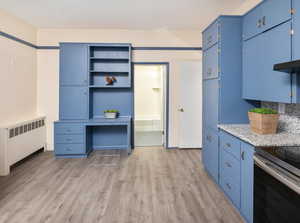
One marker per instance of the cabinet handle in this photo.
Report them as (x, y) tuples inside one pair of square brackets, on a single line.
[(228, 145), (209, 71), (258, 24), (243, 155), (209, 39), (228, 164), (208, 138), (69, 149), (69, 139), (264, 21), (228, 185)]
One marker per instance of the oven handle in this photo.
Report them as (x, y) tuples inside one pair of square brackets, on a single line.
[(277, 172)]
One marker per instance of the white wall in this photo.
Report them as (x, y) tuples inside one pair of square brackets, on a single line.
[(18, 71), (148, 92)]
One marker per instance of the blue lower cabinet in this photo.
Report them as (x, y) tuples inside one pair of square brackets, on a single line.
[(236, 173), (69, 149), (247, 181), (210, 153)]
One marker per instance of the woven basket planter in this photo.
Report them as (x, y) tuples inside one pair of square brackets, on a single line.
[(263, 123)]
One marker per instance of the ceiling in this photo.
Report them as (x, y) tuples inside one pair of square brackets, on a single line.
[(119, 14)]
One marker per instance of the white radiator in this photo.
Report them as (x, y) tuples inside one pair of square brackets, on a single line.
[(20, 140)]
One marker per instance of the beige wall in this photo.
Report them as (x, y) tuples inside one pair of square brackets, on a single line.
[(18, 71), (48, 63), (246, 6)]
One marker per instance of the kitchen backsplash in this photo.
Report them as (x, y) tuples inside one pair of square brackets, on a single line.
[(290, 120)]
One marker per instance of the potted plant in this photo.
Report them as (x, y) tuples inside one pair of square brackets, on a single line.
[(263, 120), (111, 113)]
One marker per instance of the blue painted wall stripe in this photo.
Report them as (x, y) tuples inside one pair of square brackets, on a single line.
[(11, 37)]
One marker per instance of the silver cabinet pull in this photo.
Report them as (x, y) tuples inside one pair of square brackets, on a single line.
[(228, 164), (258, 24), (69, 149), (243, 155), (228, 145), (264, 21), (208, 138), (228, 185), (209, 39)]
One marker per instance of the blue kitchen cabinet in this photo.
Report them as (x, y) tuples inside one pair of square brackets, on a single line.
[(265, 16), (247, 181), (211, 63), (296, 28), (210, 153), (260, 54), (73, 64), (236, 173), (211, 35), (73, 103), (222, 90), (211, 104), (84, 94)]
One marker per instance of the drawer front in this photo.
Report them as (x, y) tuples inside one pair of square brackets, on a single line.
[(61, 128), (230, 144), (69, 149), (211, 63), (69, 138), (211, 36), (229, 166), (232, 190)]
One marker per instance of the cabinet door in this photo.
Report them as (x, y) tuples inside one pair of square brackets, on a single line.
[(211, 104), (73, 103), (260, 54), (211, 35), (210, 153), (211, 63), (247, 167), (252, 23), (296, 28), (275, 12), (73, 64)]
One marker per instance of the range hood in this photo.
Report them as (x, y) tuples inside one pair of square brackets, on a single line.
[(288, 67)]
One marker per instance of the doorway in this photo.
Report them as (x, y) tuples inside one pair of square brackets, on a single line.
[(150, 104)]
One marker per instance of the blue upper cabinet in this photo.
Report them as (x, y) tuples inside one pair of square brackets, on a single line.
[(266, 15), (73, 64), (296, 28), (210, 35), (260, 54), (73, 103)]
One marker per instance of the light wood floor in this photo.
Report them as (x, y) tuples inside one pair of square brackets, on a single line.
[(152, 185)]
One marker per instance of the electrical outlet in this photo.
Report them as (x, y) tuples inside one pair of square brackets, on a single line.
[(281, 108)]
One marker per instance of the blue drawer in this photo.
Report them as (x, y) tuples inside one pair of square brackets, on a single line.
[(211, 36), (229, 166), (211, 63), (69, 138), (69, 149), (63, 128), (232, 190), (230, 144)]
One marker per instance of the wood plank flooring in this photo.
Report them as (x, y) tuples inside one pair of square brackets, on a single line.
[(153, 185)]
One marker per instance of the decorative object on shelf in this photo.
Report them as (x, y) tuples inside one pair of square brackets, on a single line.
[(263, 120), (110, 80), (111, 114)]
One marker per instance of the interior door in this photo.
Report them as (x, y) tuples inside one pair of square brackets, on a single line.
[(190, 104)]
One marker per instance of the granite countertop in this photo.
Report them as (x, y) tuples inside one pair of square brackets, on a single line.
[(243, 131)]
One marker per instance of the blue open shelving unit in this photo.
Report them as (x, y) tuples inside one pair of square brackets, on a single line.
[(84, 95)]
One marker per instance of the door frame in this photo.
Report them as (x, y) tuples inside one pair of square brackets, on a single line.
[(166, 122)]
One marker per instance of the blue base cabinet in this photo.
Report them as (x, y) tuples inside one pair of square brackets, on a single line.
[(85, 94), (236, 173), (222, 80)]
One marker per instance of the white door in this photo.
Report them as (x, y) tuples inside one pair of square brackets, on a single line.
[(190, 104)]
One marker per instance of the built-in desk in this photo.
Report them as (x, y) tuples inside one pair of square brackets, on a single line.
[(77, 138)]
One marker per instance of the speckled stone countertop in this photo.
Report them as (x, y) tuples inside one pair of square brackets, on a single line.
[(243, 131)]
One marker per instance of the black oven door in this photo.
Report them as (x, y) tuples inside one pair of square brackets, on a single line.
[(274, 200)]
